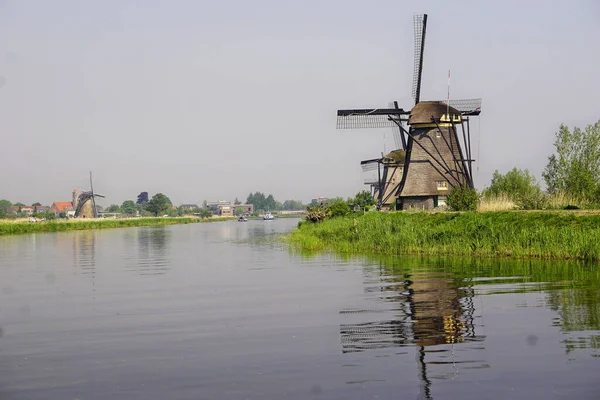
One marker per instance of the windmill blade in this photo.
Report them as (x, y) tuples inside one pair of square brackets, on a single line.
[(466, 106), (370, 165), (95, 210), (368, 118), (420, 24), (395, 130)]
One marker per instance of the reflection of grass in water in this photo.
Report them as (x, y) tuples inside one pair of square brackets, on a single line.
[(573, 287), (495, 234)]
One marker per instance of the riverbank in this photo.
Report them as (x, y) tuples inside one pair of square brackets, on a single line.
[(546, 235), (20, 227)]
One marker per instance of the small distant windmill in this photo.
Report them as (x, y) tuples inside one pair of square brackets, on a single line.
[(85, 203), (430, 158)]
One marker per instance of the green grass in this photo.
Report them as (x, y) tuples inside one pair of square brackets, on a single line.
[(545, 235), (20, 227)]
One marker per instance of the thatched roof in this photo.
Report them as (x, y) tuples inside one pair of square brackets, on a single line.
[(395, 157), (423, 111)]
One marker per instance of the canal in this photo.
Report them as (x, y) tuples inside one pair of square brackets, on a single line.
[(226, 311)]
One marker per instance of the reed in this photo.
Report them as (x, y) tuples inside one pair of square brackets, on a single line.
[(20, 227), (545, 235), (500, 202)]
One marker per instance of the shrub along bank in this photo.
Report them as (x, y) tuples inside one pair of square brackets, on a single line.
[(548, 235), (7, 227)]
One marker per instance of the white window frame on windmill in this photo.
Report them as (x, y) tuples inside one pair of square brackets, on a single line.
[(441, 185), (457, 119)]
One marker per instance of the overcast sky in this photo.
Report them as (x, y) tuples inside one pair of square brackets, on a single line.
[(211, 100)]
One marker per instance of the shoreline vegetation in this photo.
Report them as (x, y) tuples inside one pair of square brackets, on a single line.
[(23, 226), (549, 235)]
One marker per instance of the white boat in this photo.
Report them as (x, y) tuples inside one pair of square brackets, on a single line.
[(242, 218), (268, 216)]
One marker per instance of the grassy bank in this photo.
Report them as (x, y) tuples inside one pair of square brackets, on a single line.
[(547, 235), (19, 227)]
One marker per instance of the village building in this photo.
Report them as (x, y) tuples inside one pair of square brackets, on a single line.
[(225, 210), (59, 207), (243, 209)]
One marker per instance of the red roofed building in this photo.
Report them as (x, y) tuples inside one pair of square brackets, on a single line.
[(61, 207)]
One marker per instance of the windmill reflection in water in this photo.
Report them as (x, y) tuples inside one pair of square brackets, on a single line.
[(430, 310)]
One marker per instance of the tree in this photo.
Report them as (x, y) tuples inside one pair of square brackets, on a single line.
[(128, 207), (36, 204), (142, 198), (514, 183), (257, 199), (262, 202), (270, 203), (574, 168), (293, 205), (5, 206), (159, 204), (205, 213), (362, 198), (19, 204), (337, 208), (239, 210), (463, 199), (519, 186), (237, 202), (113, 208)]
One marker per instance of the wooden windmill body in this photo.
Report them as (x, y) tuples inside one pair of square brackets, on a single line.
[(434, 153)]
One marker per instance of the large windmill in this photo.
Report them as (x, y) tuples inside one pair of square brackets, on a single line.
[(85, 203), (433, 142)]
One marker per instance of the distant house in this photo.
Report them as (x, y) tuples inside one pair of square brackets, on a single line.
[(217, 203), (27, 210), (247, 208), (225, 211), (62, 207), (190, 206)]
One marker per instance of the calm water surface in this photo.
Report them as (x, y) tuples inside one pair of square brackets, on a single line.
[(223, 311)]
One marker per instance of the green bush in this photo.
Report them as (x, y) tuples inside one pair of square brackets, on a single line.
[(520, 186), (338, 208), (533, 200), (463, 199)]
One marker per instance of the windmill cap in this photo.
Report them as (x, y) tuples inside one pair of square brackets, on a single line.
[(425, 110)]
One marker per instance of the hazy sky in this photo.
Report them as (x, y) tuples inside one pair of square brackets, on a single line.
[(212, 100)]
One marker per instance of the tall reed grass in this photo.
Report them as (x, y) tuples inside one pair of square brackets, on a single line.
[(546, 235), (18, 227), (501, 202)]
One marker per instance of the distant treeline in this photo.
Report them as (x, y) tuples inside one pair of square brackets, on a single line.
[(268, 203)]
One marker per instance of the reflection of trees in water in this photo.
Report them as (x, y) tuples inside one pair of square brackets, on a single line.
[(153, 251), (84, 251), (579, 311)]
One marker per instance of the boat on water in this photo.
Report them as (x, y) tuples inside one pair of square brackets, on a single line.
[(268, 216), (242, 218)]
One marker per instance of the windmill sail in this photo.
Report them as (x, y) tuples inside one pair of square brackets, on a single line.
[(432, 140), (420, 24)]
